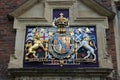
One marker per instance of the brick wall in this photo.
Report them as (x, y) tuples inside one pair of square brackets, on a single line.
[(7, 34), (111, 47)]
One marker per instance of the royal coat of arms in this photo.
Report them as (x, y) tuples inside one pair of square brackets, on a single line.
[(61, 44)]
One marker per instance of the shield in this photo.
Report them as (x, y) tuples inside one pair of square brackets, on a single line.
[(61, 45)]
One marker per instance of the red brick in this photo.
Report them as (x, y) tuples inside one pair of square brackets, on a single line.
[(7, 33)]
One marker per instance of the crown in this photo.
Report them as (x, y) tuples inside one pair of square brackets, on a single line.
[(61, 21)]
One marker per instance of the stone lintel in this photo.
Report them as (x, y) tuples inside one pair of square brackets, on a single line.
[(80, 72)]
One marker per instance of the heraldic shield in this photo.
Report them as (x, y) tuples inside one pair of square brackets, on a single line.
[(61, 46)]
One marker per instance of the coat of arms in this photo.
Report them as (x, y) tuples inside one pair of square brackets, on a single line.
[(61, 45)]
